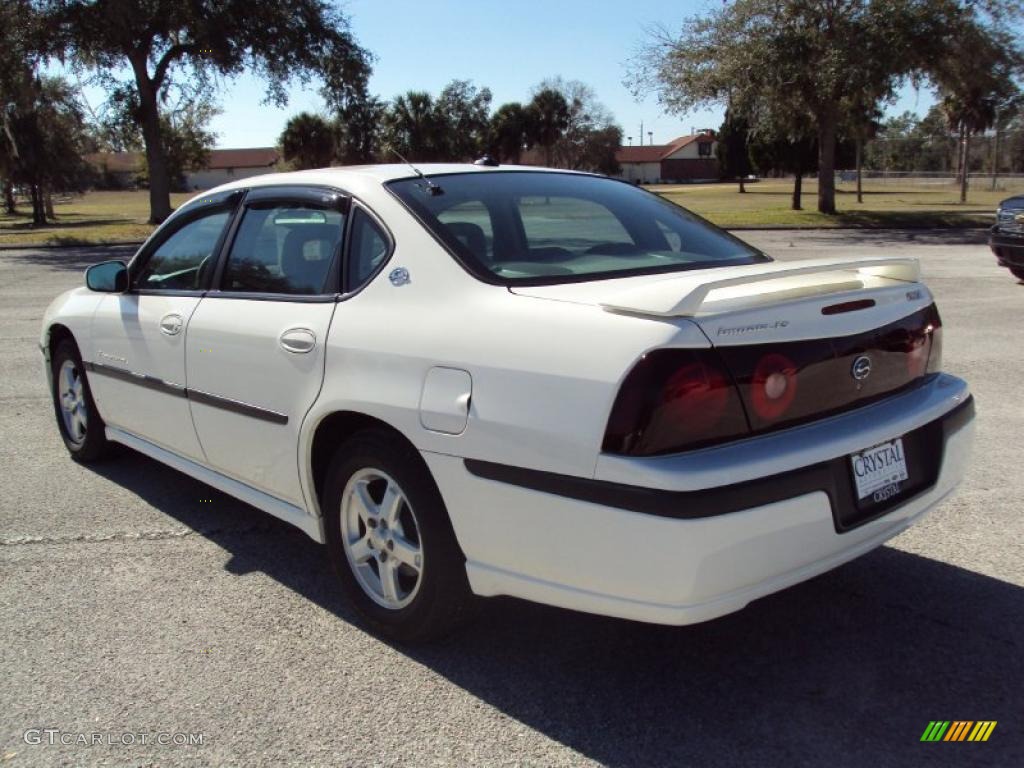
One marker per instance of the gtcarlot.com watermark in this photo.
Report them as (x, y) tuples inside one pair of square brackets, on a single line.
[(55, 736)]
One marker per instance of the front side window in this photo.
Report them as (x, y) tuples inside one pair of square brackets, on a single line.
[(181, 260), (283, 248), (537, 227)]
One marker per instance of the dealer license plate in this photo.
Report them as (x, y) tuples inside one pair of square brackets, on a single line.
[(878, 471)]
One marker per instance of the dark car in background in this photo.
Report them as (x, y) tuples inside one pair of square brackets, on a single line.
[(1006, 238)]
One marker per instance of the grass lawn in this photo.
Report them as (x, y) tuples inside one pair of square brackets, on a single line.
[(110, 217), (95, 217), (886, 204)]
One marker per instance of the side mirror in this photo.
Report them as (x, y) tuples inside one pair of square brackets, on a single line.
[(107, 277)]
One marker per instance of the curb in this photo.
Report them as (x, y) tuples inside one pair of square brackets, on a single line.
[(53, 246), (910, 228)]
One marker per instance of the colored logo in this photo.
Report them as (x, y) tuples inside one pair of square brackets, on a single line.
[(958, 730)]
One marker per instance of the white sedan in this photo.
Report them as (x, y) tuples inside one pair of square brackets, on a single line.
[(467, 379)]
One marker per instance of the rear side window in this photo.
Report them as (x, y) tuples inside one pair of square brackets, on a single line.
[(284, 248), (179, 262), (367, 251), (530, 227)]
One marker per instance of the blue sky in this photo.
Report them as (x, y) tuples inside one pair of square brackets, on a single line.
[(508, 47)]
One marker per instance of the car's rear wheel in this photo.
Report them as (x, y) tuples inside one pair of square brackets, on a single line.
[(1017, 272), (81, 427), (391, 541)]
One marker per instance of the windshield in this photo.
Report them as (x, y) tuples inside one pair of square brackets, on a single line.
[(537, 227)]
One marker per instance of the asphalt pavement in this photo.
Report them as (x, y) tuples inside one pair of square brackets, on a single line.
[(138, 606)]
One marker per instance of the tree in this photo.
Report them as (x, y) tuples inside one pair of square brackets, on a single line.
[(794, 154), (906, 143), (975, 77), (733, 154), (23, 45), (307, 141), (597, 150), (164, 43), (358, 129), (584, 141), (45, 141), (511, 132), (187, 139), (463, 115), (412, 127), (549, 115), (454, 126), (184, 127), (816, 57)]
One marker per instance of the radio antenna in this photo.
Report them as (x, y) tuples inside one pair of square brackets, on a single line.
[(432, 189)]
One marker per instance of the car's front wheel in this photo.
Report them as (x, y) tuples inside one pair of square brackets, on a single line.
[(391, 541), (79, 422)]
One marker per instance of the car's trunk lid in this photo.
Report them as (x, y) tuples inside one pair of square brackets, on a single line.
[(838, 332)]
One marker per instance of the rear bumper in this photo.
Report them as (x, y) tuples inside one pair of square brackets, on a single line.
[(679, 564)]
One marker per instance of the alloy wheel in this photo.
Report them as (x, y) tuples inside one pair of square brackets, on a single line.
[(71, 395), (381, 538)]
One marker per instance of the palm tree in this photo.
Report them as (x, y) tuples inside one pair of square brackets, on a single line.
[(976, 76), (307, 141), (511, 132), (413, 128), (549, 118)]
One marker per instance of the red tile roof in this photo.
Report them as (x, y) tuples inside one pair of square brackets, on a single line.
[(132, 162), (256, 157), (649, 154)]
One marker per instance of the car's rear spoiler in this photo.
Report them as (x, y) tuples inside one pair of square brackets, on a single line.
[(685, 294)]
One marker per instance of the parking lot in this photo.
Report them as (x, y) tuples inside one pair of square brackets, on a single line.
[(135, 600)]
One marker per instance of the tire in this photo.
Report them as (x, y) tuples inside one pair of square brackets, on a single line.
[(78, 420), (1017, 272), (374, 478)]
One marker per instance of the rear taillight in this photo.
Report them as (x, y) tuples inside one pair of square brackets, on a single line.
[(678, 399), (924, 348), (935, 350), (672, 400)]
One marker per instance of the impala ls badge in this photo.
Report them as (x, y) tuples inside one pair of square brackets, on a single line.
[(861, 368), (399, 276)]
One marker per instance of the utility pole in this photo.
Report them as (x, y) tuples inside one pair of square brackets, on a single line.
[(995, 154), (966, 162), (641, 133)]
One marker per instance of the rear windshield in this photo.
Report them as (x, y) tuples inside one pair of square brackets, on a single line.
[(537, 227)]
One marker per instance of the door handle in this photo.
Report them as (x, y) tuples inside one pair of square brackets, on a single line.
[(298, 341), (170, 325)]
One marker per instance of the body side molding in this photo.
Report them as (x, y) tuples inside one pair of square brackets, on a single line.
[(205, 398)]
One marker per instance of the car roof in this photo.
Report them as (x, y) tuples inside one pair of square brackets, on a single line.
[(364, 180), (380, 173)]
